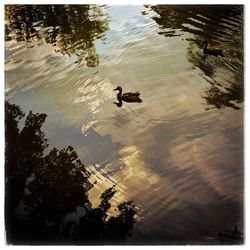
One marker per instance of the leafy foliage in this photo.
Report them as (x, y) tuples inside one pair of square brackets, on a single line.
[(72, 29), (42, 189), (174, 20)]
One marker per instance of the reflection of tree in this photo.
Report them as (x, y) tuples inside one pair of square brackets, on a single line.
[(198, 60), (230, 237), (71, 28), (214, 24), (219, 99), (202, 20), (43, 187)]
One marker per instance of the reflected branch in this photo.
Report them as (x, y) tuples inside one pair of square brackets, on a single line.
[(43, 187), (72, 29), (211, 23)]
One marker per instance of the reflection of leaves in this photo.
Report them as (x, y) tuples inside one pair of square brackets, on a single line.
[(169, 20), (105, 197), (219, 99), (230, 237), (214, 23), (47, 187), (201, 20), (123, 223), (198, 59), (71, 28), (223, 93)]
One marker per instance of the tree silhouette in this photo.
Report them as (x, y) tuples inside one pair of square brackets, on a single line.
[(209, 22), (219, 99), (72, 29), (42, 187), (176, 19)]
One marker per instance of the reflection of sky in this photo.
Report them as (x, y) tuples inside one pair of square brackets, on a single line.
[(182, 165), (120, 16)]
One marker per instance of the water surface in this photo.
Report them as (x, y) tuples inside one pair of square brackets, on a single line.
[(179, 153)]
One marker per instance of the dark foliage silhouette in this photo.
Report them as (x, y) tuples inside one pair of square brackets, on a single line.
[(43, 186), (173, 19), (200, 21), (72, 29), (230, 237), (219, 99)]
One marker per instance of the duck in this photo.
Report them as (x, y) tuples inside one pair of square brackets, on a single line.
[(128, 97), (212, 52)]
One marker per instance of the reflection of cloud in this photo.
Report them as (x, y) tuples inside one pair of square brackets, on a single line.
[(214, 165), (193, 191), (135, 170), (182, 166), (200, 164), (131, 174)]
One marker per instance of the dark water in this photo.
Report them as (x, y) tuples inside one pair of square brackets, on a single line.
[(179, 153)]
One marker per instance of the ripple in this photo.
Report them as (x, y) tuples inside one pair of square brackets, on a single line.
[(176, 159)]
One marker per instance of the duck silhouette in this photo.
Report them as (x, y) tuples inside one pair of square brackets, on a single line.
[(127, 97), (212, 52)]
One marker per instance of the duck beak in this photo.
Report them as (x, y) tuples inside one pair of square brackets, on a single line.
[(115, 89)]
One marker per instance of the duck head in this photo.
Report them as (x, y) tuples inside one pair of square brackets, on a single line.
[(118, 88)]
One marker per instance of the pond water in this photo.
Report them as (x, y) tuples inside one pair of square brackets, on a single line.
[(179, 153)]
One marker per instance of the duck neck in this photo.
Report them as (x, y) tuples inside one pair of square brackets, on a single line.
[(119, 95)]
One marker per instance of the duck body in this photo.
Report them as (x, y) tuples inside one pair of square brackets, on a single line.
[(128, 97), (212, 52)]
